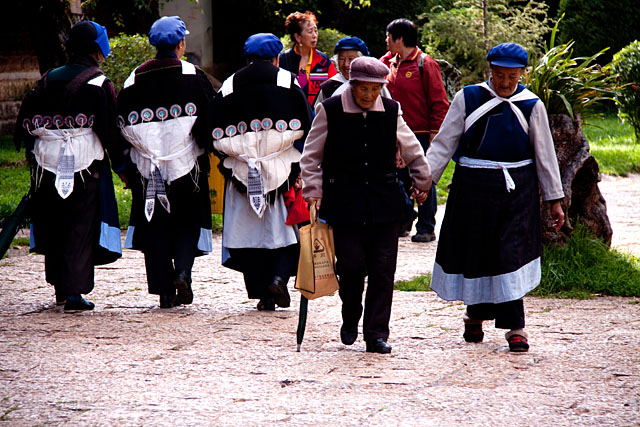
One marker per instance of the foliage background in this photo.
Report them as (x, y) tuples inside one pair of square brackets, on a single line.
[(127, 52), (626, 66), (460, 36), (596, 24)]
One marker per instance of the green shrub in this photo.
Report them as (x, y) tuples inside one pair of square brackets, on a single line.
[(127, 52), (568, 85), (327, 39), (626, 67), (123, 199)]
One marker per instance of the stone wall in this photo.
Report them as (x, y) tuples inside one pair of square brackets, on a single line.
[(18, 73)]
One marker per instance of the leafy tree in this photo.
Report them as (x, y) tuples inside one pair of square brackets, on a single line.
[(597, 24), (48, 23), (463, 34), (626, 66)]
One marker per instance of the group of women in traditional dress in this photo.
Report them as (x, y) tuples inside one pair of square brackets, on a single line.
[(274, 152)]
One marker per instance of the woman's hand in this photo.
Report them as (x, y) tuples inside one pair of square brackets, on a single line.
[(312, 200), (399, 161), (557, 215)]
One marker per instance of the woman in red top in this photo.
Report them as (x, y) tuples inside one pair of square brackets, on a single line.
[(310, 65)]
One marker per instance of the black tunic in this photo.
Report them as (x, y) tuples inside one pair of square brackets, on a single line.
[(82, 230)]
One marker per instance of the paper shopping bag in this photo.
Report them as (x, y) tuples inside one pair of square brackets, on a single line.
[(316, 267)]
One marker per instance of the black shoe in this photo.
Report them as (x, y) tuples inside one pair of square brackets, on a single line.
[(77, 304), (185, 296), (266, 304), (279, 292), (473, 332), (378, 346), (182, 283), (168, 300), (348, 335), (182, 280), (60, 299)]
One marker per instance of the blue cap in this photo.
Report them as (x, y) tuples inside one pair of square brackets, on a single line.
[(262, 46), (354, 43), (87, 37), (508, 55), (167, 31)]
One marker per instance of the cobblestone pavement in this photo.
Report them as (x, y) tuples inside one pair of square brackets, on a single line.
[(221, 362)]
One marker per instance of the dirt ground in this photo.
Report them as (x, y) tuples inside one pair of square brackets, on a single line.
[(221, 362)]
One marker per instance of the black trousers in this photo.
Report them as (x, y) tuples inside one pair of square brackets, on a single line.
[(260, 266), (66, 231), (508, 315), (367, 250), (170, 240), (170, 245)]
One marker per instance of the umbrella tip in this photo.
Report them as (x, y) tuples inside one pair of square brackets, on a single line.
[(298, 350)]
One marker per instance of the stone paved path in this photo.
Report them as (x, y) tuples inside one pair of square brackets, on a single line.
[(220, 362)]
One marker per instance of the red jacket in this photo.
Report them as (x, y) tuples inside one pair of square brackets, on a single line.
[(424, 101), (322, 69)]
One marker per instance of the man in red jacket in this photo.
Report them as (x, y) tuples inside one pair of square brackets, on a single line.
[(416, 83)]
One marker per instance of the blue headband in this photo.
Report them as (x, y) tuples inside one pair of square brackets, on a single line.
[(102, 39)]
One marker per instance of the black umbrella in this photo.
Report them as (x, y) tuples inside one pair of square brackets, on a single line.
[(12, 224), (302, 319)]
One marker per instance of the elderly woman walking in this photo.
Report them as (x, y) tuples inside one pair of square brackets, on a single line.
[(349, 172)]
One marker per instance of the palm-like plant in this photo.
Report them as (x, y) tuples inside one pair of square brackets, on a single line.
[(569, 85)]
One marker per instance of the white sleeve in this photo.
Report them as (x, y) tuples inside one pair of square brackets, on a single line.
[(446, 141)]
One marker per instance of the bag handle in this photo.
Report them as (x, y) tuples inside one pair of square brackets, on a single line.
[(313, 215)]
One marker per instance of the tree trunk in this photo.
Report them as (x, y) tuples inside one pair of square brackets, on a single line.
[(49, 25), (583, 201)]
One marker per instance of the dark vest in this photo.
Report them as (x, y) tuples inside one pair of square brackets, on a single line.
[(496, 136), (360, 182)]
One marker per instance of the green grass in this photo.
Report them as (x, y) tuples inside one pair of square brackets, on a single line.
[(587, 266), (583, 268), (444, 183), (420, 283), (613, 144), (14, 177), (123, 198), (14, 183)]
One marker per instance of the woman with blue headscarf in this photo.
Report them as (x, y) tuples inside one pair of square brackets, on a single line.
[(67, 126)]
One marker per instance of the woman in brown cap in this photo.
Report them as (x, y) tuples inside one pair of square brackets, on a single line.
[(349, 172)]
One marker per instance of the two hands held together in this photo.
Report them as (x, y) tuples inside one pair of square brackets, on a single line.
[(418, 195)]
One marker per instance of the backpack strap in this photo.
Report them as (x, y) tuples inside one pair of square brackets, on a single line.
[(421, 63)]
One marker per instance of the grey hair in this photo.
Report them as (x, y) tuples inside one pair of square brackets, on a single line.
[(334, 58)]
